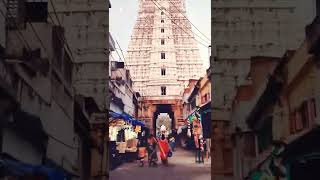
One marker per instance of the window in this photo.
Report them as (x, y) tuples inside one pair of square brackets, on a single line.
[(163, 72), (163, 55), (162, 30), (163, 90), (249, 150), (162, 13), (36, 11), (303, 117), (162, 21), (162, 41)]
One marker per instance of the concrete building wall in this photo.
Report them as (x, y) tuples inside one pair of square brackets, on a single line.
[(302, 84), (47, 95), (2, 22), (242, 29), (19, 148), (86, 28), (122, 90), (205, 90)]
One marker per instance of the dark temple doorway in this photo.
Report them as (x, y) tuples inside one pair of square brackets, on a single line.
[(163, 115)]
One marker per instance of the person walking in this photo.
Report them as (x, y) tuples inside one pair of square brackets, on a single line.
[(142, 149), (172, 141), (152, 151), (164, 149), (199, 149)]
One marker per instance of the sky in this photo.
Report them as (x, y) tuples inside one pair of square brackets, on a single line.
[(123, 14)]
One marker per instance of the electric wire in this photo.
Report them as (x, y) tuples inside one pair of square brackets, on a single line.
[(58, 20), (154, 2), (32, 27), (189, 21)]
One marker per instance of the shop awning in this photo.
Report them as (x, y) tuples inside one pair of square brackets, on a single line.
[(52, 174), (123, 116), (138, 123), (10, 166), (115, 115), (127, 117)]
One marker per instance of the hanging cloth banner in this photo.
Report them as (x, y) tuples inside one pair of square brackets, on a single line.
[(195, 119)]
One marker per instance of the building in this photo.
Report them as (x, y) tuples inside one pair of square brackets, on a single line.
[(162, 57), (244, 140), (37, 99), (197, 100), (87, 36), (205, 106), (122, 94), (245, 29), (122, 97), (282, 118), (186, 94), (48, 122)]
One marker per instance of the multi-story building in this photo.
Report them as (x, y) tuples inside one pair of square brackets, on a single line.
[(36, 72), (122, 94), (281, 115), (87, 36), (241, 30), (186, 94), (49, 119), (122, 97), (197, 99), (162, 56)]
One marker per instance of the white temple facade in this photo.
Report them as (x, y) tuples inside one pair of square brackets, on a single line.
[(163, 54)]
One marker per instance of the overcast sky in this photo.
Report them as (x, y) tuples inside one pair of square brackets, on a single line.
[(123, 14)]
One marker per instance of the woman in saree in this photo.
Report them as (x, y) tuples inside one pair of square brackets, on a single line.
[(152, 151), (164, 149)]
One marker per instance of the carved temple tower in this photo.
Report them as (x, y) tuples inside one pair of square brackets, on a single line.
[(162, 56)]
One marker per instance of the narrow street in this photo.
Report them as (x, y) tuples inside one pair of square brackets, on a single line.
[(182, 166)]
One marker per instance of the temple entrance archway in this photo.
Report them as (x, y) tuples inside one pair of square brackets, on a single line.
[(155, 111), (163, 116)]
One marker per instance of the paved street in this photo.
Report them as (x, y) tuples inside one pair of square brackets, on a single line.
[(182, 167)]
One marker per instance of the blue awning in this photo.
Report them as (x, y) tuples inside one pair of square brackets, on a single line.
[(137, 123), (17, 168), (51, 173), (127, 117), (115, 115), (12, 167)]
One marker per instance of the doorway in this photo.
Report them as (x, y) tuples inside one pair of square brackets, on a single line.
[(163, 116)]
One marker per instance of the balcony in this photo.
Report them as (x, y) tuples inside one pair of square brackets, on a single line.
[(31, 52)]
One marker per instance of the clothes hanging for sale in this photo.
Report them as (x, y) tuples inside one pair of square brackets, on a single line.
[(121, 136), (113, 131)]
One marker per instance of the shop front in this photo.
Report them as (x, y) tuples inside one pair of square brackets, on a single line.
[(205, 112), (199, 123), (123, 138)]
